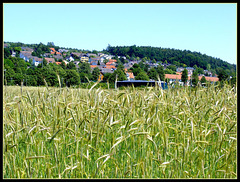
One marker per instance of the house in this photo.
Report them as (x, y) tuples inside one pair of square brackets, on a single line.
[(106, 70), (180, 69), (47, 55), (100, 78), (53, 51), (206, 72), (50, 60), (93, 62), (13, 53), (110, 67), (58, 56), (95, 59), (210, 79), (70, 58), (84, 58), (62, 50), (37, 61), (130, 76), (91, 55), (77, 54), (173, 78), (25, 55), (189, 69), (58, 63), (27, 49), (93, 66)]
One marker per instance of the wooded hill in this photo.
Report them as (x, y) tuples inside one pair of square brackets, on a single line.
[(174, 56)]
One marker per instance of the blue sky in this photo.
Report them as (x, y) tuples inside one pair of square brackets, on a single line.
[(208, 28)]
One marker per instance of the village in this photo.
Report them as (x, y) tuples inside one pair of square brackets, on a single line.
[(107, 64)]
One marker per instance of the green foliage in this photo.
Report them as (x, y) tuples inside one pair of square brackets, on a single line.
[(152, 74), (142, 76), (222, 75), (7, 53), (203, 80), (169, 71), (106, 77), (172, 67), (195, 78), (71, 65), (160, 72), (95, 73), (72, 77), (184, 77), (85, 68)]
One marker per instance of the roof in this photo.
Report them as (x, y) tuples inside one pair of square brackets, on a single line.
[(26, 53), (178, 77), (110, 67), (93, 66), (76, 53), (208, 78), (174, 76), (130, 74), (106, 70), (50, 60), (52, 49), (59, 63)]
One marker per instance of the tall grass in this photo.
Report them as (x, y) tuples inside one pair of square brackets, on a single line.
[(130, 133)]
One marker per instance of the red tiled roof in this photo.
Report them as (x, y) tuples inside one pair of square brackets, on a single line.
[(52, 49), (110, 67), (58, 63), (178, 77), (130, 74), (93, 66), (208, 78)]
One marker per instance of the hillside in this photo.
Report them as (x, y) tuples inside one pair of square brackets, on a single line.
[(174, 56)]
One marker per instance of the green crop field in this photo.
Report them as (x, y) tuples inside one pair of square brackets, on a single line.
[(128, 133)]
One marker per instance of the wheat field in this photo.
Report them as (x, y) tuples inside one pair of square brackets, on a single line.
[(144, 133)]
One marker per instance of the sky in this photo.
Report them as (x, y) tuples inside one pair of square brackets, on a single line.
[(208, 28)]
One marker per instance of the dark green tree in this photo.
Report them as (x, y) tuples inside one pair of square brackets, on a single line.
[(152, 74), (184, 77), (203, 80), (95, 74), (72, 78), (222, 75), (142, 76), (160, 72), (71, 66), (195, 78), (63, 65), (85, 68)]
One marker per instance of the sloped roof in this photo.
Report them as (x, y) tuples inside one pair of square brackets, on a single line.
[(52, 49), (130, 74), (110, 67), (211, 79), (59, 63), (50, 60)]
